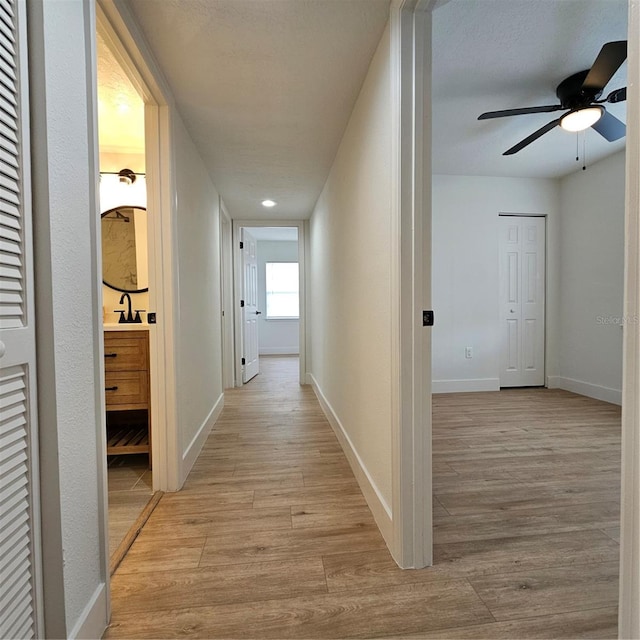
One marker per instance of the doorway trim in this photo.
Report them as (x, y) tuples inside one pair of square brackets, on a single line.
[(120, 31), (629, 612), (237, 272), (412, 538), (226, 292)]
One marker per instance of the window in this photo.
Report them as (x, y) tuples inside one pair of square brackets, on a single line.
[(282, 290)]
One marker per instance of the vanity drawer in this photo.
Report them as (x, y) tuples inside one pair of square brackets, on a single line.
[(126, 351), (126, 389)]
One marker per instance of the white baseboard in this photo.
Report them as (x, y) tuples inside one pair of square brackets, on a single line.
[(614, 396), (95, 617), (192, 452), (378, 505), (279, 351), (465, 386)]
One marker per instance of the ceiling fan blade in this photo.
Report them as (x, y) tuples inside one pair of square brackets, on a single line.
[(534, 136), (609, 127), (619, 95), (519, 112), (611, 56)]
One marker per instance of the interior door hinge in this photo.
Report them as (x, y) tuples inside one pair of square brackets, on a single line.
[(244, 361), (242, 303), (242, 245)]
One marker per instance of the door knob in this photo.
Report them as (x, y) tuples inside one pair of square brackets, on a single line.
[(258, 313), (512, 311)]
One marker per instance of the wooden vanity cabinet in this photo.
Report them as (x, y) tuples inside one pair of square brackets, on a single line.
[(126, 366)]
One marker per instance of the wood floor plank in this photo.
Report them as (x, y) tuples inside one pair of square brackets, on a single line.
[(349, 493), (368, 570), (214, 523), (331, 514), (502, 555), (285, 544), (229, 584), (171, 555), (591, 624), (406, 609), (547, 591), (525, 522)]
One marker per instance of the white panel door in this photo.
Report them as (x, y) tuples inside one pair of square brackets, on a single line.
[(19, 503), (522, 300), (249, 307)]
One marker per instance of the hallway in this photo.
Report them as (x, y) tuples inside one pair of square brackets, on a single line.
[(271, 537)]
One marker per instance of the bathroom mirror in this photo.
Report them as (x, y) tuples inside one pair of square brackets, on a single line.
[(124, 249)]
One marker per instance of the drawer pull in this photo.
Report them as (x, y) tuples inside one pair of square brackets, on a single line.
[(111, 388), (110, 355)]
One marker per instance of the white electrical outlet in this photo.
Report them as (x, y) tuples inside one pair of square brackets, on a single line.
[(468, 352)]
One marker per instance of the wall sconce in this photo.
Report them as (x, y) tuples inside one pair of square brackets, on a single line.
[(127, 176)]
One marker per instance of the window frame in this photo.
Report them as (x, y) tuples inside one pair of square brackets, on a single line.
[(270, 318)]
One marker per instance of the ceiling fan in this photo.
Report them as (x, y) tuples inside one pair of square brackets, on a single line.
[(579, 94)]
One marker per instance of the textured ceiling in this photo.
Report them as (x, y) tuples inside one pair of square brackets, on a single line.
[(502, 54), (120, 108), (266, 88)]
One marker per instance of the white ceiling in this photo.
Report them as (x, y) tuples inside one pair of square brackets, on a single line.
[(120, 107), (502, 54), (266, 88)]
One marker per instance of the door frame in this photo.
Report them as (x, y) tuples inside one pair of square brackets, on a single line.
[(412, 522), (629, 612), (121, 33), (237, 272), (507, 214), (226, 292)]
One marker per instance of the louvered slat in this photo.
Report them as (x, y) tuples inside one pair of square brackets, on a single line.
[(16, 593), (18, 437)]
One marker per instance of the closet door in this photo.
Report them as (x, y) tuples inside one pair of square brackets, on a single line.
[(20, 613)]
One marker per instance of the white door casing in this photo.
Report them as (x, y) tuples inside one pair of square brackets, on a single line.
[(522, 300), (20, 587), (249, 309)]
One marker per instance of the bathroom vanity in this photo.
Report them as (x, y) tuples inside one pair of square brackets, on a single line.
[(127, 396)]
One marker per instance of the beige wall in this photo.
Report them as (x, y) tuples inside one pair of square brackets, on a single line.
[(198, 347), (592, 280), (350, 281)]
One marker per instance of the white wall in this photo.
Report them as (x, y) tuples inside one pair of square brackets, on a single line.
[(465, 273), (69, 324), (591, 280), (275, 336), (199, 345), (349, 284)]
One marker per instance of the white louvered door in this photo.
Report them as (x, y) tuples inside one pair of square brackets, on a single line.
[(19, 504)]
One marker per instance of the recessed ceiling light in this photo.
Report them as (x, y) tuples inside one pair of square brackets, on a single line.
[(269, 203)]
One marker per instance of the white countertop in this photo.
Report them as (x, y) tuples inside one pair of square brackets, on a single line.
[(144, 326)]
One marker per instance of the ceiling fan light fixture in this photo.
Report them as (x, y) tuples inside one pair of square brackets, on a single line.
[(581, 119)]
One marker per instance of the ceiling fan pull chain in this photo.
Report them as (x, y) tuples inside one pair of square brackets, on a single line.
[(577, 143), (584, 150)]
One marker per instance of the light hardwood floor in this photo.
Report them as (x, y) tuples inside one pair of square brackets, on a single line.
[(271, 537), (129, 485)]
